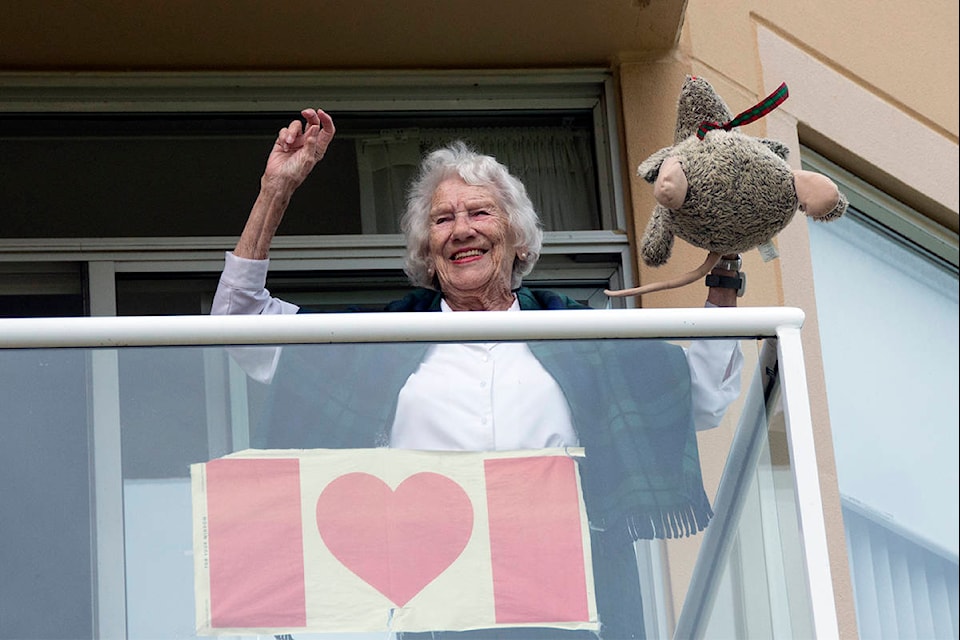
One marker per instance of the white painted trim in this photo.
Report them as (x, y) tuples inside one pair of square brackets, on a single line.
[(287, 252), (609, 159), (102, 287), (859, 120), (771, 540)]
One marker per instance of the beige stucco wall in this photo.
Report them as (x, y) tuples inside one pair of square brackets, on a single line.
[(873, 87), (905, 52)]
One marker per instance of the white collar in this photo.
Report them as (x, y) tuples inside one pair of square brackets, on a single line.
[(513, 307)]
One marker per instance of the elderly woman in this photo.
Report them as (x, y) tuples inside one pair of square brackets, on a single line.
[(472, 235)]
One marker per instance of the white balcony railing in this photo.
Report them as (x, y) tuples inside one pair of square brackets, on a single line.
[(779, 371)]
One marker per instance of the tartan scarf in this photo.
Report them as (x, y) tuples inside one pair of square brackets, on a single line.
[(630, 402)]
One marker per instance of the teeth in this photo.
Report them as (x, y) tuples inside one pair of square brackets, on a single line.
[(467, 254)]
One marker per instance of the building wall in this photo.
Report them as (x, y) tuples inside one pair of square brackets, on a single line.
[(872, 88)]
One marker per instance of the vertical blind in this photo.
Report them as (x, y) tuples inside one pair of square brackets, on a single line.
[(903, 589)]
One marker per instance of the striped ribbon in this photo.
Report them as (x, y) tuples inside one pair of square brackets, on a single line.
[(755, 112)]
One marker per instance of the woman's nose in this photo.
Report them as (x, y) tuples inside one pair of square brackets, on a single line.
[(462, 226)]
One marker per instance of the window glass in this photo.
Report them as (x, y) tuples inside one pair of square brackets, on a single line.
[(41, 290), (888, 324), (888, 319), (160, 294), (176, 175)]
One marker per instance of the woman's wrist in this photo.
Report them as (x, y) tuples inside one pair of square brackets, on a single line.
[(726, 282), (275, 187), (263, 222)]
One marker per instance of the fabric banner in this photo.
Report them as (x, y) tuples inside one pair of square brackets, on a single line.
[(363, 540)]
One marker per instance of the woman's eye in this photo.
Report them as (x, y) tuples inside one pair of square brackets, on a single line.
[(480, 212), (442, 219)]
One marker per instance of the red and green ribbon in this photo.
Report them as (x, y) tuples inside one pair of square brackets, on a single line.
[(755, 112)]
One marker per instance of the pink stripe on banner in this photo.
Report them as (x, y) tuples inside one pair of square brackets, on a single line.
[(255, 543), (536, 543)]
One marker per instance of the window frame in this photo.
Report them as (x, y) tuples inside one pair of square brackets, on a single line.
[(887, 215), (413, 91), (880, 537)]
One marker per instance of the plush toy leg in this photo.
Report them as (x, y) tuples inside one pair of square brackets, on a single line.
[(712, 259), (657, 242)]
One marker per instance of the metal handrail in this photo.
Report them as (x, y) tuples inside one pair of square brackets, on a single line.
[(142, 331)]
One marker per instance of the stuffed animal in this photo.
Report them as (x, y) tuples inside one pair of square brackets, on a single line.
[(722, 190)]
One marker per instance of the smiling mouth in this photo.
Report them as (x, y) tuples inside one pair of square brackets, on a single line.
[(464, 255)]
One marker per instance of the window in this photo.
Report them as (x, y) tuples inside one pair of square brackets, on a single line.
[(887, 293), (156, 188), (39, 289)]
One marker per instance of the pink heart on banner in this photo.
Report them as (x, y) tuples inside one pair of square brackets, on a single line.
[(396, 541)]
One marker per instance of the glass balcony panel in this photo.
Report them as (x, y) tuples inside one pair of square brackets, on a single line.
[(762, 589), (46, 512), (176, 406)]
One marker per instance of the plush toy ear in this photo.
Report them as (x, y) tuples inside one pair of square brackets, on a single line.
[(650, 168), (698, 102), (819, 196), (671, 186), (837, 211), (776, 146)]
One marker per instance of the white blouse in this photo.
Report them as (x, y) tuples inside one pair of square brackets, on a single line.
[(471, 397)]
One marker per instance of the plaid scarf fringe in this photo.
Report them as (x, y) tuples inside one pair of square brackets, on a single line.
[(661, 524)]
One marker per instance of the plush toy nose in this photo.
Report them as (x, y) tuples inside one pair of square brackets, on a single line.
[(818, 194), (670, 189)]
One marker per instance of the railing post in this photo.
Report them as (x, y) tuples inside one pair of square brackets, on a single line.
[(803, 456)]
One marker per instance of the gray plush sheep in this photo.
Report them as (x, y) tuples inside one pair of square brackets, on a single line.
[(722, 190)]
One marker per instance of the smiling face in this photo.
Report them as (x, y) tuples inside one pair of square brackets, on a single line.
[(472, 247)]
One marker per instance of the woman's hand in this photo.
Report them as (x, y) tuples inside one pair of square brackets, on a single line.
[(298, 148), (295, 152)]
